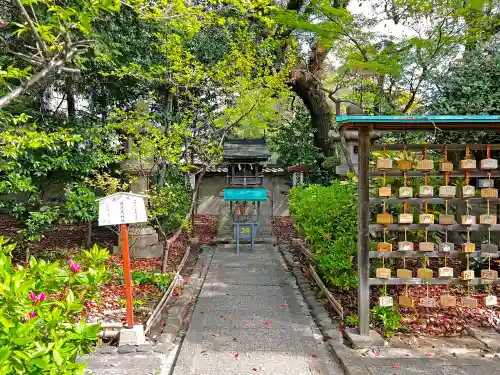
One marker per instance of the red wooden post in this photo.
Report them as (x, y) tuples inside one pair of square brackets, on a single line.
[(127, 276)]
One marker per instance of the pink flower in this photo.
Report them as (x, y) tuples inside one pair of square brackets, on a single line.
[(32, 296), (326, 235), (32, 314), (75, 267), (42, 297)]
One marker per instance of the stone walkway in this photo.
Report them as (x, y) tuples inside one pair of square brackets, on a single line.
[(250, 318)]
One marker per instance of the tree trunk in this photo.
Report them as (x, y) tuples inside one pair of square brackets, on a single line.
[(70, 98), (315, 100)]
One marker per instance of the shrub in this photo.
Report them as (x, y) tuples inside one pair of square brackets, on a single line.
[(41, 305), (387, 318), (327, 215)]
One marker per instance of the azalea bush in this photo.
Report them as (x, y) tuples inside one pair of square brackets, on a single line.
[(327, 215), (41, 308)]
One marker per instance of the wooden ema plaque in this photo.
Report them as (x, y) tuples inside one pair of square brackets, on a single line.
[(489, 193), (446, 219), (402, 273), (384, 247), (384, 163), (383, 273), (426, 219), (405, 192), (490, 300), (469, 302), (426, 191), (488, 219), (426, 246), (445, 272), (447, 300), (445, 166), (489, 248), (405, 219), (425, 273), (427, 302), (447, 191), (406, 301), (385, 218), (468, 247), (384, 191), (467, 164), (385, 301), (405, 246), (468, 191), (489, 164), (425, 165), (489, 275), (404, 165), (467, 275), (446, 247), (468, 220)]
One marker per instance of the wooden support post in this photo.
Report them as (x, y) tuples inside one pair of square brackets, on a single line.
[(363, 232), (127, 276)]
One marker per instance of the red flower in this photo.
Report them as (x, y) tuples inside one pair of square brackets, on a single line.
[(326, 235)]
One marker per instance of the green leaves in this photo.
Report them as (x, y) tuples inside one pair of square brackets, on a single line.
[(41, 337), (328, 218)]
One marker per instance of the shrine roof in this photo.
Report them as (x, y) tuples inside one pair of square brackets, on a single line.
[(246, 150), (418, 123)]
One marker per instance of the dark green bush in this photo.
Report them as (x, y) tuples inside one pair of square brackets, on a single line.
[(327, 215)]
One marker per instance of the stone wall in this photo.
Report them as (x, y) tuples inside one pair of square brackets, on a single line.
[(211, 199)]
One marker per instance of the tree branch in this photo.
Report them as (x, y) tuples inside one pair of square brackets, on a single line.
[(41, 44)]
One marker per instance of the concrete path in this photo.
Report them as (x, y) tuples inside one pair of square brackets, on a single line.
[(251, 319)]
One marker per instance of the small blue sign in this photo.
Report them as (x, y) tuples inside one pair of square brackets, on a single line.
[(256, 195)]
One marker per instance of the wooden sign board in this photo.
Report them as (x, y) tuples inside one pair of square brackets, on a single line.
[(426, 219), (469, 302), (468, 191), (468, 220), (402, 273), (426, 246), (405, 246), (384, 163), (404, 164), (425, 165), (428, 302), (383, 273), (384, 247), (489, 275), (489, 164), (447, 191), (488, 219), (426, 191), (384, 191), (425, 273), (468, 247), (445, 272), (489, 248), (406, 301), (489, 193), (490, 300), (468, 164), (467, 275), (405, 219), (405, 192), (446, 246), (446, 219), (384, 219), (447, 300), (385, 301), (122, 208), (445, 166)]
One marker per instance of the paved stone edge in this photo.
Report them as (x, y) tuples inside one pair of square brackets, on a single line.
[(175, 318), (344, 356)]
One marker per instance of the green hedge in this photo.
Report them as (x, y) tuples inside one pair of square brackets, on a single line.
[(327, 215)]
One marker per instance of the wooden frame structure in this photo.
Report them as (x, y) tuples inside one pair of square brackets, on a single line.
[(365, 125)]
